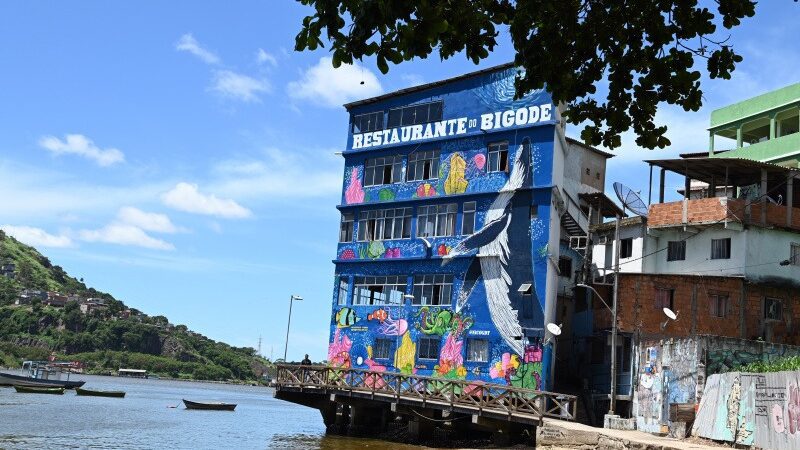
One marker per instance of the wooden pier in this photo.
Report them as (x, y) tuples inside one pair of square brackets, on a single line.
[(356, 401)]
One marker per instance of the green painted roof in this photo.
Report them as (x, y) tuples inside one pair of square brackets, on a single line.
[(756, 105)]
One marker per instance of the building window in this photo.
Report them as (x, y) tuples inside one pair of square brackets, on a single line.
[(436, 220), (423, 166), (415, 115), (346, 228), (721, 248), (364, 123), (664, 298), (428, 348), (468, 219), (498, 157), (626, 248), (388, 290), (387, 170), (343, 288), (773, 308), (477, 350), (433, 289), (565, 266), (794, 254), (719, 304), (676, 250), (383, 349), (384, 224)]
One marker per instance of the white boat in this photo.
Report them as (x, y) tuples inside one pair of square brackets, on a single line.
[(39, 374)]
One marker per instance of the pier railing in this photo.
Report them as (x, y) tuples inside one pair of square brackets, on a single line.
[(465, 395)]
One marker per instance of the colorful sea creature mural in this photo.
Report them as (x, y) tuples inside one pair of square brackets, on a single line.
[(441, 321), (386, 195), (339, 350), (393, 327), (451, 363), (379, 314), (525, 373), (345, 317), (347, 253), (405, 354), (455, 182), (479, 160), (373, 250), (392, 253), (443, 250), (354, 192), (426, 190)]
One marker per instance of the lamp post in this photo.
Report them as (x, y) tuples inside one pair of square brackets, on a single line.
[(292, 298)]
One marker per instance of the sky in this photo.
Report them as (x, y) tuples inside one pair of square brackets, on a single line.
[(180, 155)]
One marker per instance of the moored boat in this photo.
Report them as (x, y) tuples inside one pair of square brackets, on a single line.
[(215, 406), (96, 393), (39, 390), (39, 374)]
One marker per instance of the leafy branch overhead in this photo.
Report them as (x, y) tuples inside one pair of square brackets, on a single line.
[(646, 49)]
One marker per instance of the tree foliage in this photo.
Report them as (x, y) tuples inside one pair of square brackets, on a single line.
[(646, 49)]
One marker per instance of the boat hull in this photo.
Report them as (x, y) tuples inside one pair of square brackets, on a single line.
[(209, 406), (7, 379), (39, 390), (91, 393)]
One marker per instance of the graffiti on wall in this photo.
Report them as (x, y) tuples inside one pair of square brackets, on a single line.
[(525, 372), (441, 321)]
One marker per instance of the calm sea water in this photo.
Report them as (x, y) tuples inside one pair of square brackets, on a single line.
[(152, 416)]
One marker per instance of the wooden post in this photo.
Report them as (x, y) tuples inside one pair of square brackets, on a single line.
[(763, 196)]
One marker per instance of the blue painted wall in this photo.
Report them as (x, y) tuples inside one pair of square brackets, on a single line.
[(512, 227)]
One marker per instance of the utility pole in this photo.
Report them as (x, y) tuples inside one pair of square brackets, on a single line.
[(614, 324), (259, 345)]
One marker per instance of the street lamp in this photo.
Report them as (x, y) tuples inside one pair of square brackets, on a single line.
[(613, 345), (292, 298)]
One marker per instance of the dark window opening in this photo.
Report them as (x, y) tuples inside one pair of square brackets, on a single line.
[(346, 228), (428, 348), (676, 250), (364, 123), (565, 266), (664, 298), (625, 247), (773, 308), (498, 157), (721, 248), (383, 349), (415, 114)]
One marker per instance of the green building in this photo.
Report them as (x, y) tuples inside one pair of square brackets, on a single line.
[(765, 128)]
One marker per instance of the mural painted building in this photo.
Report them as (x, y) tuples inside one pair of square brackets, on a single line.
[(452, 209)]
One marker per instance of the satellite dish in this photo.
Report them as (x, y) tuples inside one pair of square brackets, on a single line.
[(554, 329), (671, 314), (630, 199)]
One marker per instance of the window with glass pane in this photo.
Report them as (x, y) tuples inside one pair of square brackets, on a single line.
[(664, 298), (383, 349), (364, 123), (477, 350), (428, 348), (384, 224), (343, 288), (468, 219), (434, 289), (773, 308), (423, 166), (676, 250), (415, 114), (498, 157), (346, 228), (721, 248), (718, 304), (380, 290), (386, 170), (626, 248), (794, 254), (437, 220)]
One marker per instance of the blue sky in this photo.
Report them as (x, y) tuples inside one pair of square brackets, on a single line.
[(180, 154)]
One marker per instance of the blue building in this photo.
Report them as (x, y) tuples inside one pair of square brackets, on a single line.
[(457, 202)]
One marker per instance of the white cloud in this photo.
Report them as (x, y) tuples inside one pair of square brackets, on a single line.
[(124, 234), (326, 86), (158, 223), (238, 86), (186, 197), (36, 237), (187, 43), (412, 79), (263, 57), (78, 144)]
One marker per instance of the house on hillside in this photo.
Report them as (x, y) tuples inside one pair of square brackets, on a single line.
[(26, 296), (55, 299), (8, 270)]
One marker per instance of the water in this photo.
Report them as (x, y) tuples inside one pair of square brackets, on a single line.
[(152, 415)]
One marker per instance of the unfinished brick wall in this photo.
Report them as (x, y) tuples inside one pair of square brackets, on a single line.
[(692, 299), (718, 209)]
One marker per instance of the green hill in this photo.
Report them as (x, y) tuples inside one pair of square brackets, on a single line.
[(104, 333)]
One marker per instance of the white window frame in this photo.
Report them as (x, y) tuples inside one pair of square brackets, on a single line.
[(379, 290), (347, 226), (384, 224), (727, 247), (468, 217), (375, 168), (374, 119), (344, 290), (428, 340), (495, 151), (433, 290), (480, 354), (439, 218), (415, 169)]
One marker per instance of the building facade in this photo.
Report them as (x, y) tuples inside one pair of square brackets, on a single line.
[(451, 223)]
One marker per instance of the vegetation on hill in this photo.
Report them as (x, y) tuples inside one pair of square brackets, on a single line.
[(106, 338)]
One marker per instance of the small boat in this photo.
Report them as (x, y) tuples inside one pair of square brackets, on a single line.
[(39, 390), (95, 393), (39, 374), (216, 406)]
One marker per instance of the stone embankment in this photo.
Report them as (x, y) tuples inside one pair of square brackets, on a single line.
[(562, 435)]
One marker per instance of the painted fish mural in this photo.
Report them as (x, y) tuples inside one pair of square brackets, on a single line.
[(379, 314), (345, 317)]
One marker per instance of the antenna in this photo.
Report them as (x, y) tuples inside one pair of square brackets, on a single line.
[(259, 345), (630, 200)]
